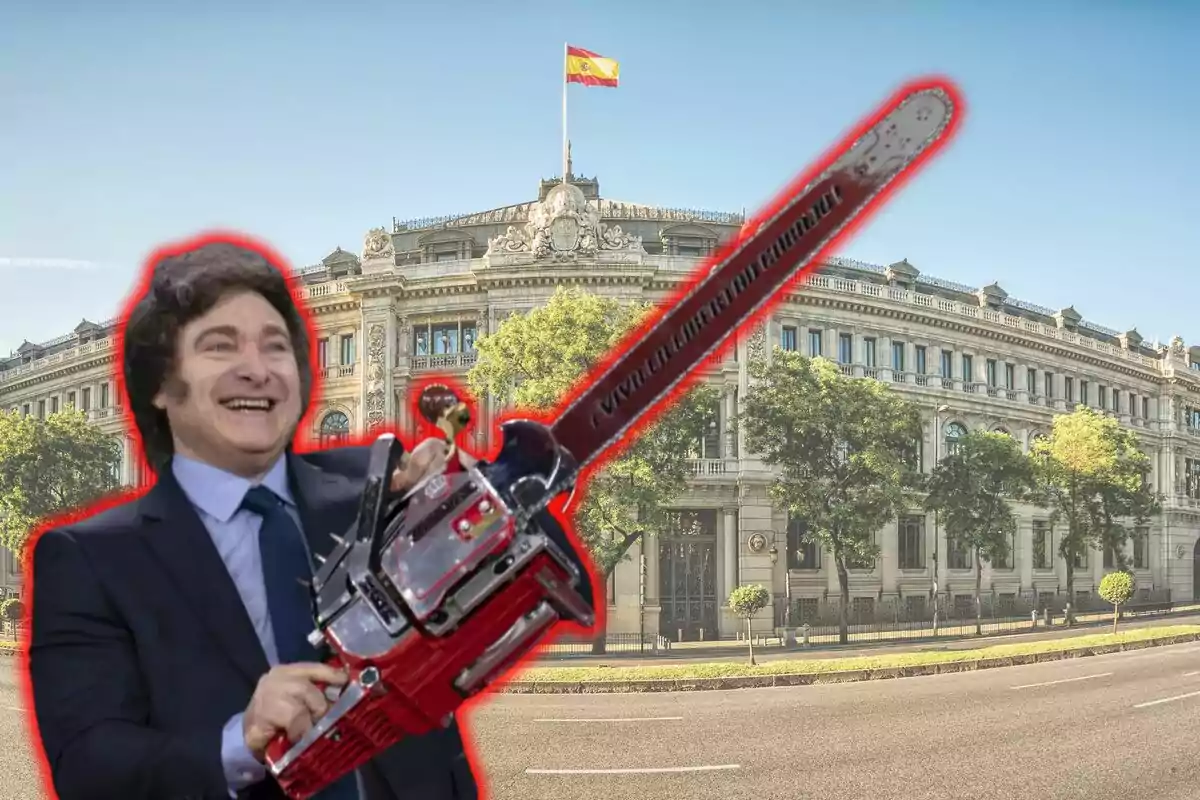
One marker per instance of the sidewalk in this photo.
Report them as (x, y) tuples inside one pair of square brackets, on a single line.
[(737, 651)]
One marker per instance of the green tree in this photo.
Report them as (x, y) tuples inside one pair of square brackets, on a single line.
[(746, 602), (971, 490), (1093, 479), (50, 466), (1117, 588), (844, 450), (11, 611), (535, 358)]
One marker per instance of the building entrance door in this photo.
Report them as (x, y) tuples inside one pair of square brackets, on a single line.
[(1196, 571), (687, 571)]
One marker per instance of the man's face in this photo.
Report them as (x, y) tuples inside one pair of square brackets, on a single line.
[(234, 399)]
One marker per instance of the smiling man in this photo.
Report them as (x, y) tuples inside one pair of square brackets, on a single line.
[(169, 634)]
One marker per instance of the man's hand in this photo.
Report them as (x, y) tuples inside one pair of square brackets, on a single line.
[(287, 701), (427, 458)]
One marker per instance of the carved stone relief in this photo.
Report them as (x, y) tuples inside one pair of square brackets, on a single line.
[(564, 227), (376, 377), (378, 244)]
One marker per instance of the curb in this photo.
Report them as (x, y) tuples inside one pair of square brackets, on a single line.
[(817, 678)]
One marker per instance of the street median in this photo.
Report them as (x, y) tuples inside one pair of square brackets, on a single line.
[(807, 672)]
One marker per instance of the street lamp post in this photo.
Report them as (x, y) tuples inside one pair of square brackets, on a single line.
[(937, 534), (787, 585)]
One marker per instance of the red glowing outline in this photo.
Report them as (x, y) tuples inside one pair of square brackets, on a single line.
[(305, 431)]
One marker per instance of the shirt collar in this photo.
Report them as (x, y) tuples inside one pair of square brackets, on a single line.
[(219, 493)]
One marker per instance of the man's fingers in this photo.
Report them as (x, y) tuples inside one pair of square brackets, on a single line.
[(316, 673), (298, 726), (313, 698)]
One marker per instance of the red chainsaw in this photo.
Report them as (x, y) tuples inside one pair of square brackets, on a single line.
[(436, 594)]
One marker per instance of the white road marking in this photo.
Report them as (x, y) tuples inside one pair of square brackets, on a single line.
[(610, 719), (1162, 700), (1191, 674), (643, 771), (1063, 680)]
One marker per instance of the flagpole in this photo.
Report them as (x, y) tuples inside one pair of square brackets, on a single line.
[(565, 158)]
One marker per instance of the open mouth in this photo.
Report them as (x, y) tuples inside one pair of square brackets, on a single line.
[(249, 405)]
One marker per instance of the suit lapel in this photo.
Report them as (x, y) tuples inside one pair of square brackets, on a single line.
[(327, 502), (182, 544)]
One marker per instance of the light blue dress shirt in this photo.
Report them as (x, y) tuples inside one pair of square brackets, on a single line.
[(217, 497)]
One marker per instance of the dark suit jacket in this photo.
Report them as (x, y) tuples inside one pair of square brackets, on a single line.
[(141, 650)]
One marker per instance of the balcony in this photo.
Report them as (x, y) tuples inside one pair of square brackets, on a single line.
[(444, 361), (709, 468), (337, 371)]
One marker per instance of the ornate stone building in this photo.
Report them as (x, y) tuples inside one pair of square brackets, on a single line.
[(419, 296)]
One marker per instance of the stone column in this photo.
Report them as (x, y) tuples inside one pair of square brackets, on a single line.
[(378, 348), (729, 440), (729, 532)]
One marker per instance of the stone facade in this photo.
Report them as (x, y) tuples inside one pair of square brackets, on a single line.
[(419, 296)]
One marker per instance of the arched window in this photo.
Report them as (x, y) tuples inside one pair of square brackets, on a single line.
[(1002, 430), (954, 433), (335, 428), (1033, 437)]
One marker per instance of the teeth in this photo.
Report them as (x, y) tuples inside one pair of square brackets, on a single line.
[(249, 404)]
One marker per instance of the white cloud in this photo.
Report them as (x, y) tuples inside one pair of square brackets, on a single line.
[(46, 263)]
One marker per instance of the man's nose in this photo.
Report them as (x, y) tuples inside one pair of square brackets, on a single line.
[(252, 365)]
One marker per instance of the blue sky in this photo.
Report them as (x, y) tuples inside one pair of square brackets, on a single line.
[(125, 124)]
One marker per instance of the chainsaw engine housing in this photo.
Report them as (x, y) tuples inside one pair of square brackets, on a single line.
[(432, 596)]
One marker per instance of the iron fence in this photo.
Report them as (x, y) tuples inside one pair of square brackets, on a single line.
[(648, 643), (874, 619)]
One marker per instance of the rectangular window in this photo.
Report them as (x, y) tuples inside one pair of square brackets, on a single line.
[(323, 353), (787, 338), (1103, 397), (1069, 389), (41, 409), (1009, 557), (1010, 377), (898, 356), (801, 554), (347, 349), (53, 405), (1048, 385), (1141, 548), (86, 401), (104, 395), (947, 364), (71, 399), (911, 545), (968, 369), (1117, 400), (1145, 408), (814, 342), (1031, 381), (869, 352), (1083, 393), (991, 372), (919, 352), (1043, 545), (960, 556), (846, 348)]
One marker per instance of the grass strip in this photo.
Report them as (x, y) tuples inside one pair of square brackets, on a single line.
[(800, 666)]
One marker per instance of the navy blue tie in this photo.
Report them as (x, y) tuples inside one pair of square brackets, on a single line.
[(285, 563)]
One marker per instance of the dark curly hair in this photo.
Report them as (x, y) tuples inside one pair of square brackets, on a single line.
[(183, 287)]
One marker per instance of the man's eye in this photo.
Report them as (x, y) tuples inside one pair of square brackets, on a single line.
[(222, 347)]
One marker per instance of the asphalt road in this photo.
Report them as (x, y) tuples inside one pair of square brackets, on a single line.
[(1122, 725)]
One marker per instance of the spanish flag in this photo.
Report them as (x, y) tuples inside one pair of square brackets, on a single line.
[(584, 66)]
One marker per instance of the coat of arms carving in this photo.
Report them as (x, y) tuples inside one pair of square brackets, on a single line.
[(563, 227)]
